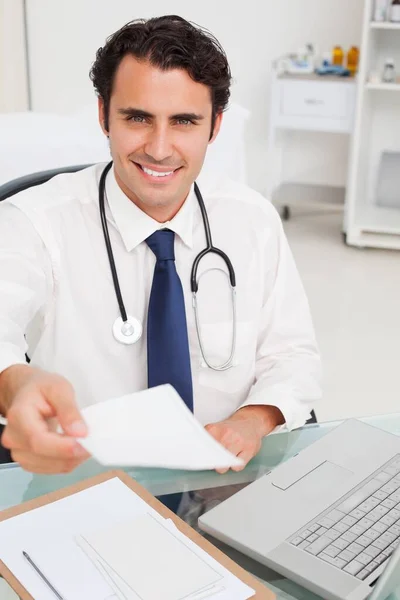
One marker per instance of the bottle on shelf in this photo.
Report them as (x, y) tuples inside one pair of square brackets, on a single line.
[(389, 72), (337, 56), (381, 10), (394, 12), (353, 57), (326, 59)]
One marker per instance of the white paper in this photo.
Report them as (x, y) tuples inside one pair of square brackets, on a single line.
[(111, 582), (49, 534), (68, 569), (177, 560), (152, 428), (230, 588), (138, 549), (120, 587)]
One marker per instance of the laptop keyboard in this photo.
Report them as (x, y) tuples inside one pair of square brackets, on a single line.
[(360, 531)]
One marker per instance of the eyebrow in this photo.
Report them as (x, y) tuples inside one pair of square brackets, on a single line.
[(137, 112)]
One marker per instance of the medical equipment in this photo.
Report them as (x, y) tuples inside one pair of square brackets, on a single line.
[(128, 329)]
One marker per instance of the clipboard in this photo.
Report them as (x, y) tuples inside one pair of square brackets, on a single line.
[(261, 592)]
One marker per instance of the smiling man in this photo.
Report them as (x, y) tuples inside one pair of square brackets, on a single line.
[(159, 123), (106, 319)]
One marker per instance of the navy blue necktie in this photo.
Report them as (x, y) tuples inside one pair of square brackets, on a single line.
[(168, 358)]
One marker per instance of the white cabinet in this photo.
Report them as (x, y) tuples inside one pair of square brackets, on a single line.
[(317, 105), (324, 104)]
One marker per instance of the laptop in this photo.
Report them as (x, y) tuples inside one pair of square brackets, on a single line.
[(328, 518)]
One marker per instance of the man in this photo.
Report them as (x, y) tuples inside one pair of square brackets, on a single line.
[(162, 87)]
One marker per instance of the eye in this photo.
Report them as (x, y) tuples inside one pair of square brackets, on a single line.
[(136, 119), (184, 122)]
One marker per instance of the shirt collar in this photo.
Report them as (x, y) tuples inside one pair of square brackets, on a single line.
[(135, 226)]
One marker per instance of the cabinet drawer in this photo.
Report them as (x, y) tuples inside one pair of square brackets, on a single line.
[(310, 99)]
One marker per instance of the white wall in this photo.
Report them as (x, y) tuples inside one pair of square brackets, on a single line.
[(13, 82), (64, 35)]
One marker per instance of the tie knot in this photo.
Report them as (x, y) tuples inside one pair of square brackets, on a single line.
[(162, 244)]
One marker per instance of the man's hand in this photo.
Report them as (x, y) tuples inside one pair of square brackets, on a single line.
[(35, 402), (243, 432)]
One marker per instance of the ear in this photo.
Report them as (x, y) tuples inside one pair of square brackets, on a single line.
[(217, 126), (102, 119)]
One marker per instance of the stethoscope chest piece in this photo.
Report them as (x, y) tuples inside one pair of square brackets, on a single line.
[(129, 331)]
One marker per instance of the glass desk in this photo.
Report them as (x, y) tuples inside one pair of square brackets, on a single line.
[(208, 489)]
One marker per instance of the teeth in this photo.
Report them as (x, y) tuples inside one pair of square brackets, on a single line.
[(156, 173)]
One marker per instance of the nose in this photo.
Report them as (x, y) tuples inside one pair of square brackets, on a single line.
[(158, 144)]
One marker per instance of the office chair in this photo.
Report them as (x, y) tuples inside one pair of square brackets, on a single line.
[(312, 419), (19, 185), (23, 183), (10, 189)]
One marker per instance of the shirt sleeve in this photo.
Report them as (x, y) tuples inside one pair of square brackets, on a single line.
[(24, 281), (288, 366)]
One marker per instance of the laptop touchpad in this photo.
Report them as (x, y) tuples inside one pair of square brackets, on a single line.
[(326, 474)]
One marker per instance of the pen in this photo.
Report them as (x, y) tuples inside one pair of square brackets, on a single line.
[(42, 576)]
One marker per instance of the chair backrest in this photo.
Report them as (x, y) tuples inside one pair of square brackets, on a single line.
[(23, 183)]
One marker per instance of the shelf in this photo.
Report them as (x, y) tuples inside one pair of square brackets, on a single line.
[(367, 224), (378, 219), (315, 77), (383, 87), (384, 25)]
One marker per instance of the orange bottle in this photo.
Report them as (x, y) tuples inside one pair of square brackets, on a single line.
[(353, 57), (337, 56)]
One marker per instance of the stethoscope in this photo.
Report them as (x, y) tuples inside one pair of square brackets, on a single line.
[(128, 329)]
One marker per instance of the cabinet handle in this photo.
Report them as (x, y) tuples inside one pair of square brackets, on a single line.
[(313, 101)]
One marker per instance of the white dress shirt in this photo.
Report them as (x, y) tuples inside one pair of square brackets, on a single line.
[(57, 300)]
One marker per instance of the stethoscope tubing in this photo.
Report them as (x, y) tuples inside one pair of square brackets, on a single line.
[(210, 248)]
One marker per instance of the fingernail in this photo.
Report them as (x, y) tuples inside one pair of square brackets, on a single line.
[(79, 451), (77, 428)]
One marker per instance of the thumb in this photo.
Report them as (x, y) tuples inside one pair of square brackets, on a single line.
[(61, 396)]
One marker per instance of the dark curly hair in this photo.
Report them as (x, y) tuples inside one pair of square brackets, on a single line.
[(168, 42)]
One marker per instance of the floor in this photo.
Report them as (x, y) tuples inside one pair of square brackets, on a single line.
[(355, 302)]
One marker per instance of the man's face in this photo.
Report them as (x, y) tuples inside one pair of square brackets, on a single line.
[(159, 130)]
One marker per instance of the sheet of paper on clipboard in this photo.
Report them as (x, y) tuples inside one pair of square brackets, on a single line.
[(106, 542)]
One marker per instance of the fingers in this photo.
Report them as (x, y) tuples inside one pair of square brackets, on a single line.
[(46, 445), (246, 457), (232, 442), (27, 430), (31, 434), (222, 471), (44, 466), (43, 451), (60, 395), (229, 438), (238, 438)]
